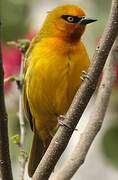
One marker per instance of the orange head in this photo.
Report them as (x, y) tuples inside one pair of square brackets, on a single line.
[(67, 22)]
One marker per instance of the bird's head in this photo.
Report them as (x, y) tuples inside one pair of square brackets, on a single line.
[(67, 22)]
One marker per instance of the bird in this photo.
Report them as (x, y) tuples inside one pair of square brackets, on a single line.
[(52, 68)]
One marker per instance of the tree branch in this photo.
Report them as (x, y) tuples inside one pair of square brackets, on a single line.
[(5, 162), (95, 121), (61, 139)]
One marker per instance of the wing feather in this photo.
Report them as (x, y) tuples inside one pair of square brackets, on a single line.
[(26, 64)]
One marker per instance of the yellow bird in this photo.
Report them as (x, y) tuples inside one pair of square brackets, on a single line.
[(53, 66)]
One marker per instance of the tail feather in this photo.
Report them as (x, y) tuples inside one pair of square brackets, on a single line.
[(37, 151)]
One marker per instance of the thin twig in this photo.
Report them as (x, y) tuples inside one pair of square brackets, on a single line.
[(5, 162), (22, 45), (23, 156), (95, 121), (21, 117), (61, 139)]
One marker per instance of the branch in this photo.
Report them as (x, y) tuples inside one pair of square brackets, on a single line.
[(5, 162), (23, 156), (61, 138), (22, 45), (95, 121)]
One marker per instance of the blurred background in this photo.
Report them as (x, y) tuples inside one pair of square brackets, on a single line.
[(22, 19)]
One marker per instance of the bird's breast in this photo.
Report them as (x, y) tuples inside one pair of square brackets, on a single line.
[(54, 77)]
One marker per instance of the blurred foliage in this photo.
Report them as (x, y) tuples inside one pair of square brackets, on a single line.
[(103, 6), (110, 137), (110, 145), (102, 9), (14, 21)]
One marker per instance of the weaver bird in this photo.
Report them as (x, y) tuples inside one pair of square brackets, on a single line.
[(53, 65)]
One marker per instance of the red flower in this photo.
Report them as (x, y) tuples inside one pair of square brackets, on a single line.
[(12, 61)]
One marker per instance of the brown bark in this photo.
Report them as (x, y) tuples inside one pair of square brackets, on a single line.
[(5, 162)]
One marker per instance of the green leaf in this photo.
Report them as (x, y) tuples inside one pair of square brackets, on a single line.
[(16, 139)]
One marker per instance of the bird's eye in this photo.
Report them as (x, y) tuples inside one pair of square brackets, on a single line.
[(70, 19)]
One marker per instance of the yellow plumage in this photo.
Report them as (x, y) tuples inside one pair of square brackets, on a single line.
[(53, 65)]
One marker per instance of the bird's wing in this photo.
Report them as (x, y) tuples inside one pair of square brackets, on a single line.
[(26, 106), (26, 64)]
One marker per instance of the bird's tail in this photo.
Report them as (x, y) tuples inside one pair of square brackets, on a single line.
[(37, 151)]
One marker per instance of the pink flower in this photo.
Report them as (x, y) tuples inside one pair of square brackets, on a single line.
[(12, 61)]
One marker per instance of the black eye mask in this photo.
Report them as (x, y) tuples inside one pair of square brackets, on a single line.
[(72, 19)]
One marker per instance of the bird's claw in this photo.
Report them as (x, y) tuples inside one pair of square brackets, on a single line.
[(61, 121), (84, 76)]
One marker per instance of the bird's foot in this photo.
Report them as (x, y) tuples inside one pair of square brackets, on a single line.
[(61, 122), (84, 76)]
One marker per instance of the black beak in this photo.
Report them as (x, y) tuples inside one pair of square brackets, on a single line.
[(86, 20)]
